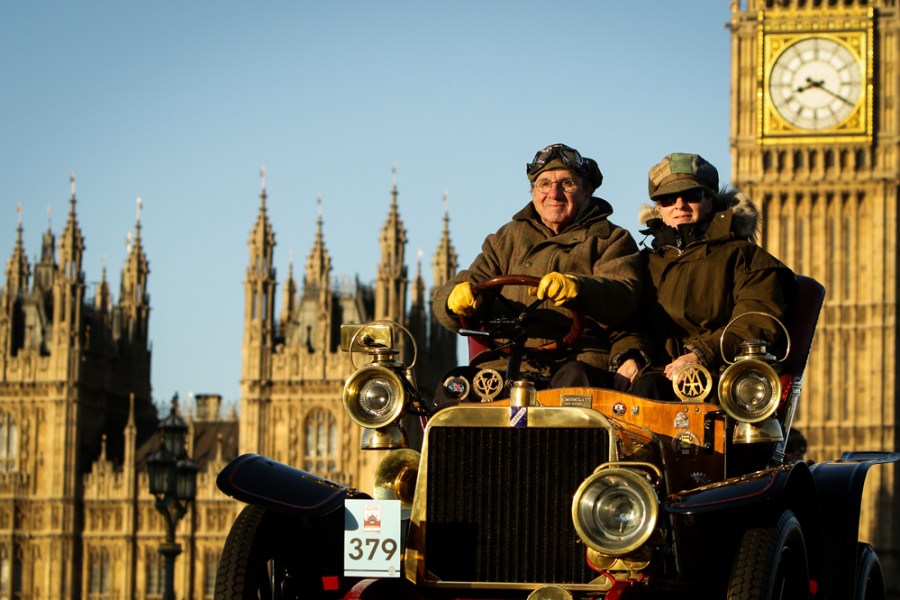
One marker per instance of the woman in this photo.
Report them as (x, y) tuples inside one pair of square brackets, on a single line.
[(704, 269)]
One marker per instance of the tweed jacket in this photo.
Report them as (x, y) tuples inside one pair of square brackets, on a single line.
[(604, 255)]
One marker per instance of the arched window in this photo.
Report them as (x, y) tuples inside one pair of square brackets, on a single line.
[(9, 442), (99, 576), (321, 442)]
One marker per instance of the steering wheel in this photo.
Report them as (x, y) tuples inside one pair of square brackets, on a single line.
[(512, 315)]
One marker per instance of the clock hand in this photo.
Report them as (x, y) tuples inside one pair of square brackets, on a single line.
[(811, 83), (835, 95)]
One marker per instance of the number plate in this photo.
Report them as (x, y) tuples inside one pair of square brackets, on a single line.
[(372, 538)]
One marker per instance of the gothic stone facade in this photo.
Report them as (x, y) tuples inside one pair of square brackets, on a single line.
[(77, 421)]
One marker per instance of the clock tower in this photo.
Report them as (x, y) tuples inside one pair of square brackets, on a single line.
[(814, 136)]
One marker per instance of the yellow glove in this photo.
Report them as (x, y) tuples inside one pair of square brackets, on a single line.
[(461, 300), (558, 287)]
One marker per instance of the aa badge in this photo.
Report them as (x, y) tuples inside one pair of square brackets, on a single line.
[(692, 383)]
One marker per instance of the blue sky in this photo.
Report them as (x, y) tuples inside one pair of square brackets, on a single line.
[(182, 103)]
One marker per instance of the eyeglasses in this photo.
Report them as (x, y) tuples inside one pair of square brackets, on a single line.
[(569, 157), (690, 196), (545, 185)]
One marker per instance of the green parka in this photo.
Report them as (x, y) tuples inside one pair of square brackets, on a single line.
[(604, 256), (701, 276)]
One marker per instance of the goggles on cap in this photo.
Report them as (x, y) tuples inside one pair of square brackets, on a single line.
[(568, 156)]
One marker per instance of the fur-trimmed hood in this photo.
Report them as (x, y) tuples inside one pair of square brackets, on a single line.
[(745, 222)]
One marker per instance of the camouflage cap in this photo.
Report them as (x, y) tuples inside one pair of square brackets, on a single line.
[(679, 172)]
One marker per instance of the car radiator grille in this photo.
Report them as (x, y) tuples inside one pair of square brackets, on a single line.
[(500, 502)]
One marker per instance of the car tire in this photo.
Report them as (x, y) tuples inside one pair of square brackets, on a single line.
[(269, 555), (869, 576), (771, 563), (243, 567)]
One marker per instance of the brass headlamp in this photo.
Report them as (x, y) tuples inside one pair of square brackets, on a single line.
[(615, 510), (750, 389), (375, 398), (376, 395)]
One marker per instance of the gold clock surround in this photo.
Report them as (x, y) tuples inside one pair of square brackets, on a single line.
[(853, 124)]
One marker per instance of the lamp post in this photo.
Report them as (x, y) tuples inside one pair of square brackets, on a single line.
[(173, 481)]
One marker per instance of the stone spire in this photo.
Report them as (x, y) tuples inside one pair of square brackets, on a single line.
[(444, 265), (18, 270), (45, 269), (391, 277), (289, 299), (102, 301), (68, 286), (444, 262), (318, 263), (17, 274), (418, 309), (317, 287), (260, 282), (418, 288), (133, 296), (71, 244)]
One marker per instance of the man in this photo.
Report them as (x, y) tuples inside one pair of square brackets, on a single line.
[(704, 270), (563, 237)]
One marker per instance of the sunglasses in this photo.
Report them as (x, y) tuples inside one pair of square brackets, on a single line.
[(568, 156), (690, 196)]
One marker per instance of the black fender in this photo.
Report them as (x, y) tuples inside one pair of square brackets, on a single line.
[(839, 482), (742, 492), (264, 482), (718, 514), (826, 498), (840, 485)]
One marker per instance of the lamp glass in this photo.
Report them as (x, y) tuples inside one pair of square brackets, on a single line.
[(161, 471), (186, 480)]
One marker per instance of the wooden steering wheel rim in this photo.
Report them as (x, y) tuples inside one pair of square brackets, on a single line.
[(501, 281)]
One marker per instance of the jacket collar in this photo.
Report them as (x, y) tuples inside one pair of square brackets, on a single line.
[(737, 218)]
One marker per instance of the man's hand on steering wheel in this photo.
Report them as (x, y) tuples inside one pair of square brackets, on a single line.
[(462, 301), (557, 287)]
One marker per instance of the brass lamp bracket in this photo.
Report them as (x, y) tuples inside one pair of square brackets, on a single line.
[(787, 336)]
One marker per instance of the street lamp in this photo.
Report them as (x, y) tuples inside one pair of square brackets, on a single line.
[(173, 480)]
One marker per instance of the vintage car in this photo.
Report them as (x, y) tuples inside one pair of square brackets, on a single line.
[(561, 493)]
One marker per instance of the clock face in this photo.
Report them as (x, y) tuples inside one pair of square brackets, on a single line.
[(815, 83)]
